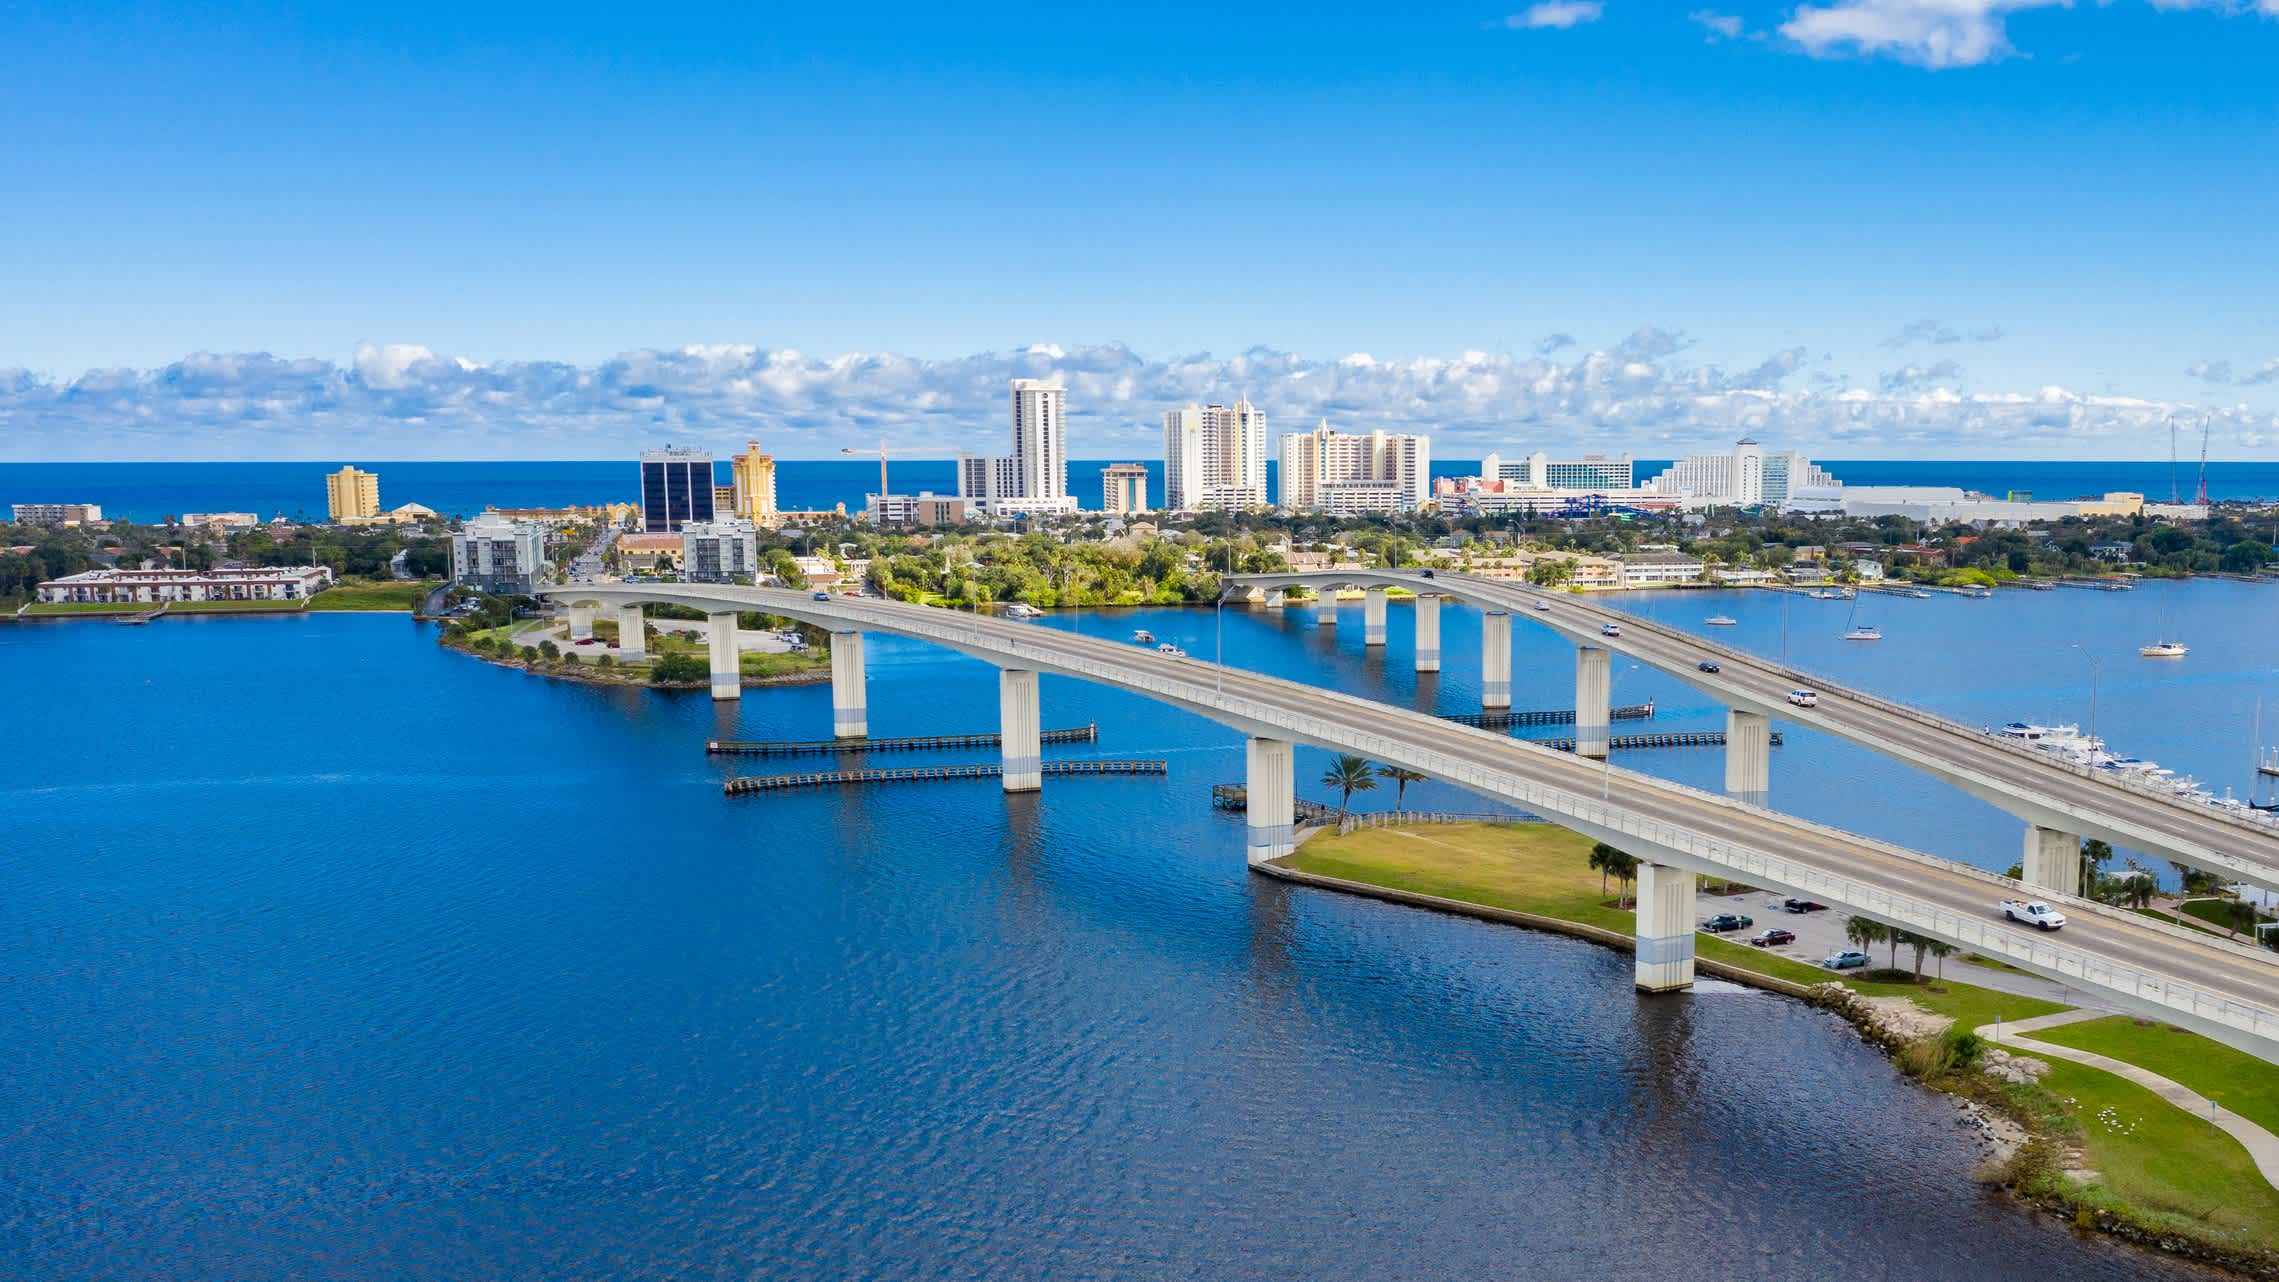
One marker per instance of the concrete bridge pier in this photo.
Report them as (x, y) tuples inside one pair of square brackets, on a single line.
[(850, 702), (1664, 962), (1495, 661), (632, 634), (581, 621), (1591, 682), (1270, 797), (1373, 617), (1325, 608), (1428, 634), (1276, 598), (727, 661), (1748, 756), (2053, 860), (1019, 736)]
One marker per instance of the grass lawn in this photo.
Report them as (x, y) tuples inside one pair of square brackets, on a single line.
[(759, 664), (2158, 1162), (2234, 1079), (237, 607), (402, 596), (2212, 911), (85, 607)]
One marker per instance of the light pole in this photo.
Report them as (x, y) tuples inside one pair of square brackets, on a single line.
[(2095, 746)]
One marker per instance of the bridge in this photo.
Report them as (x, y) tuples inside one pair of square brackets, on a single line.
[(2060, 803), (2222, 989)]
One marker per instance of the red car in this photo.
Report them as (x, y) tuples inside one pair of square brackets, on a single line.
[(1773, 937)]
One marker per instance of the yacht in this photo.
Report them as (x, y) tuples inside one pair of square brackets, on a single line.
[(1719, 621), (1142, 636), (2164, 650), (1172, 650), (1865, 632), (1023, 610)]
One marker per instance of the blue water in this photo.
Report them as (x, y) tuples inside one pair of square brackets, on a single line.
[(330, 954), (151, 491)]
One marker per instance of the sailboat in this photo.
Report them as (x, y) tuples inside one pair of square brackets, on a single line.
[(2163, 648), (1862, 631)]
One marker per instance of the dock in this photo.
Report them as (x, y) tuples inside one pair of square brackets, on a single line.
[(1666, 739), (1234, 796), (927, 774), (1088, 733), (1542, 717)]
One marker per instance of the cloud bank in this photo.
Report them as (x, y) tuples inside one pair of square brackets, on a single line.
[(1643, 394)]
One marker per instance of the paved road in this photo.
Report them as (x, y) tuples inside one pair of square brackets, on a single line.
[(2022, 780), (2235, 989)]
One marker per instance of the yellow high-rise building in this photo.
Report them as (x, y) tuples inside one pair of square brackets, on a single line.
[(351, 495), (753, 474)]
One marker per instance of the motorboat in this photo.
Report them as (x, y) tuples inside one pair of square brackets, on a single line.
[(1023, 610), (2164, 650), (1143, 637), (1720, 621), (1169, 649)]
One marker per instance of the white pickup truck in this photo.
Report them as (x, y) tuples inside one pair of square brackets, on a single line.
[(2033, 912)]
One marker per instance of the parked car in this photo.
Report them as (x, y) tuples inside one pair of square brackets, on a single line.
[(589, 641), (1723, 922), (1803, 906), (2033, 912), (1609, 629), (1707, 666), (1849, 959), (1773, 938), (1804, 698)]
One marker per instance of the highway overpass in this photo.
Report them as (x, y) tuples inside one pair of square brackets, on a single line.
[(2225, 990), (2060, 803)]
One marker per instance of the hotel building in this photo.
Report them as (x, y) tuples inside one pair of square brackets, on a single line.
[(751, 477), (720, 551), (1748, 476), (1214, 458), (1348, 474), (58, 513), (351, 495), (1035, 477), (1123, 488)]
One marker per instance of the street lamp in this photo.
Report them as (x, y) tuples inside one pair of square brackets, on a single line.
[(2095, 745)]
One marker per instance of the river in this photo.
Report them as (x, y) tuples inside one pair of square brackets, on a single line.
[(331, 954)]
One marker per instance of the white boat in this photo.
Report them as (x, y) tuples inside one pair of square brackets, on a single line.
[(2164, 650), (1865, 632), (1172, 650), (1827, 594), (1719, 621), (1023, 610), (1143, 636)]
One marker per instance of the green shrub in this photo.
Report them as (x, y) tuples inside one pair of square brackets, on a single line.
[(679, 667)]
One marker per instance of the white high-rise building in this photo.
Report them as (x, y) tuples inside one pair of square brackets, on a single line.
[(1214, 458), (499, 554), (1035, 477), (1354, 475), (1749, 476), (720, 551), (1592, 473)]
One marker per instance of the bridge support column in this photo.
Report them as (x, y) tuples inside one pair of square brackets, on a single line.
[(1591, 681), (1276, 598), (1018, 735), (727, 661), (1325, 608), (1373, 617), (850, 701), (1495, 661), (1270, 796), (632, 634), (1428, 634), (2053, 860), (1748, 756), (1665, 929), (581, 622)]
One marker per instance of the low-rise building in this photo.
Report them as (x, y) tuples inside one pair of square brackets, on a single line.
[(904, 511), (499, 555), (720, 551), (215, 522), (1659, 569), (642, 553), (259, 583), (58, 513)]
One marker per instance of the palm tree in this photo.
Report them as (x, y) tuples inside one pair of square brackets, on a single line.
[(1942, 952), (2095, 855), (1622, 865), (1348, 774), (1602, 863), (2240, 915), (1865, 932), (1401, 780)]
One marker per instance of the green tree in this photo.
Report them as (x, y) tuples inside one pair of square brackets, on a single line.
[(1941, 951), (2095, 855), (549, 650), (672, 668), (1348, 774), (2240, 915), (1865, 933), (1401, 778), (1921, 944)]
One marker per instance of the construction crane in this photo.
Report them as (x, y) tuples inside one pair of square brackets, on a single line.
[(882, 449)]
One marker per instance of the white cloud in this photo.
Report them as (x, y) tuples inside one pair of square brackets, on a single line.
[(1642, 394), (1932, 332), (1721, 25), (2228, 8), (1556, 15), (1929, 33)]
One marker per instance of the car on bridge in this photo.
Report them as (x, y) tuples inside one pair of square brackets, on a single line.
[(1707, 666), (1542, 604), (1610, 629), (2033, 912), (1804, 698), (1724, 922), (1849, 959), (1773, 938)]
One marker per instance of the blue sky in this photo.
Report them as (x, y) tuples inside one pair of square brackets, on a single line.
[(524, 200)]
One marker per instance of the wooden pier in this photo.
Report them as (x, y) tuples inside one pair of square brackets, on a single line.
[(1542, 717), (926, 774), (1089, 733), (1666, 739)]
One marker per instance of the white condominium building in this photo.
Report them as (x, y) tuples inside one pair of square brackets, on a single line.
[(1214, 458), (499, 554), (1035, 478), (720, 551), (255, 583), (1348, 474), (1749, 476)]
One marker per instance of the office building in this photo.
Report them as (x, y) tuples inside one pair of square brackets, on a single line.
[(751, 476), (124, 587), (1214, 458), (351, 495), (1035, 477), (903, 511), (499, 555), (1123, 488), (676, 488), (58, 513), (720, 551), (1349, 474), (1748, 476)]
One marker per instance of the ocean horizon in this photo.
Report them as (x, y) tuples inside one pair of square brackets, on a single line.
[(152, 491)]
